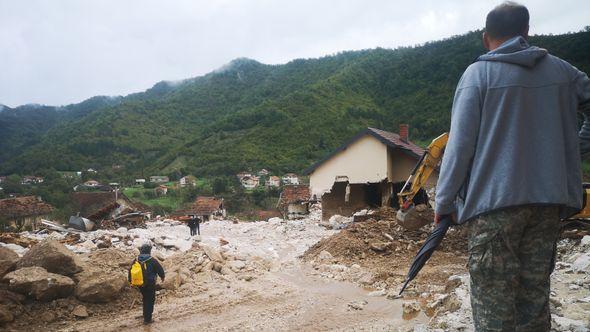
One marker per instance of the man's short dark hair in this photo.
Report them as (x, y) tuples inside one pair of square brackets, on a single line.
[(507, 20)]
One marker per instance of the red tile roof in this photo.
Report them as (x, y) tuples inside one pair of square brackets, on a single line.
[(388, 138), (293, 194), (26, 206), (394, 140), (207, 205)]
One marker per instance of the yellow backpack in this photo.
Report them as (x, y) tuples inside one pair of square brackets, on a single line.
[(137, 273)]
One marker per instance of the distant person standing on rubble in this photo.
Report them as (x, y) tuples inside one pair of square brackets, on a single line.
[(197, 225), (512, 169), (191, 225), (152, 270)]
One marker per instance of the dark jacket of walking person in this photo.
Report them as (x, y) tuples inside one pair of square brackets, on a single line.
[(153, 269), (512, 169)]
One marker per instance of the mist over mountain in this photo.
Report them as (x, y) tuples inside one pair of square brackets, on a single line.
[(252, 115)]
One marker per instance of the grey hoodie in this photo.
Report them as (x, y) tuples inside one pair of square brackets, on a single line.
[(514, 138)]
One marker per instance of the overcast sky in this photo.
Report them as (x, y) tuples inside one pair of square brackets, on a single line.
[(63, 51)]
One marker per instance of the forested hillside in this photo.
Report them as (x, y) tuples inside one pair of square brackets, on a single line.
[(252, 115)]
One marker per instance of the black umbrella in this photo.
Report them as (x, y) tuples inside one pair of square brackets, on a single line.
[(429, 246)]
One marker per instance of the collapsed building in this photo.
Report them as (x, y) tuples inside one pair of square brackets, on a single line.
[(207, 208), (366, 171), (108, 206), (23, 212), (294, 201)]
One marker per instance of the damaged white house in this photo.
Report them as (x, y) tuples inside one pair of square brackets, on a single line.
[(366, 171)]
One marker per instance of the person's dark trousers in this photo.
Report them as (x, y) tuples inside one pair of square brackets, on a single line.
[(192, 230), (148, 294), (198, 229)]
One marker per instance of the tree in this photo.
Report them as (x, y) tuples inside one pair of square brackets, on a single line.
[(219, 185), (258, 195)]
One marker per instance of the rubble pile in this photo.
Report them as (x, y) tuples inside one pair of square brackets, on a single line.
[(63, 277), (379, 253), (46, 277)]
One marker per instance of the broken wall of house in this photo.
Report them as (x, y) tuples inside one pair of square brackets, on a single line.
[(345, 199)]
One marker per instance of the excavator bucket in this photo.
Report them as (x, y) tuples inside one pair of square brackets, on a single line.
[(415, 217)]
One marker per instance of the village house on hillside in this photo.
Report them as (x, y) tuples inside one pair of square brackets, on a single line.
[(366, 171), (139, 181), (290, 178), (250, 182), (263, 172), (294, 201), (159, 179), (273, 181), (27, 211), (187, 181), (208, 207), (31, 179), (161, 190), (92, 183)]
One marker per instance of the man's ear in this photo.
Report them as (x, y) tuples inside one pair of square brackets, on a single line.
[(486, 41)]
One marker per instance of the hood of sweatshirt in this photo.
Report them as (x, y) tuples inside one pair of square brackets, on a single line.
[(143, 257), (516, 51)]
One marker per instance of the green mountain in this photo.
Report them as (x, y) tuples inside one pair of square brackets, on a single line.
[(251, 115)]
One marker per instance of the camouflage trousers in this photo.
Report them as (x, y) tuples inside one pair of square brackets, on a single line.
[(511, 256)]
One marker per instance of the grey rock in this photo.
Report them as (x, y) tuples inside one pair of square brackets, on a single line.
[(80, 311), (565, 324), (236, 265), (8, 260), (410, 309), (100, 288), (212, 253), (357, 305), (37, 282), (53, 257)]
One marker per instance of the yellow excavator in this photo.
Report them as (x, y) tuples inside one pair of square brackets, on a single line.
[(414, 217)]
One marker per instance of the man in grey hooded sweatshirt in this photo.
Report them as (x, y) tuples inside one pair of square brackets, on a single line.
[(512, 169)]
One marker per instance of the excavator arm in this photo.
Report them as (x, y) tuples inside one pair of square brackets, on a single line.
[(417, 179)]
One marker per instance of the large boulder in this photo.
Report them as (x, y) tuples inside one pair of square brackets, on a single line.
[(100, 288), (176, 277), (212, 253), (8, 260), (53, 256), (38, 283)]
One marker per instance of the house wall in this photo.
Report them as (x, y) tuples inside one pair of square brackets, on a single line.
[(363, 161), (400, 165)]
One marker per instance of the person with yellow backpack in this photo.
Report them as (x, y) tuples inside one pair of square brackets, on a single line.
[(143, 274)]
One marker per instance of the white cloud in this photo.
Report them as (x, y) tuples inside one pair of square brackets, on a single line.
[(58, 52)]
